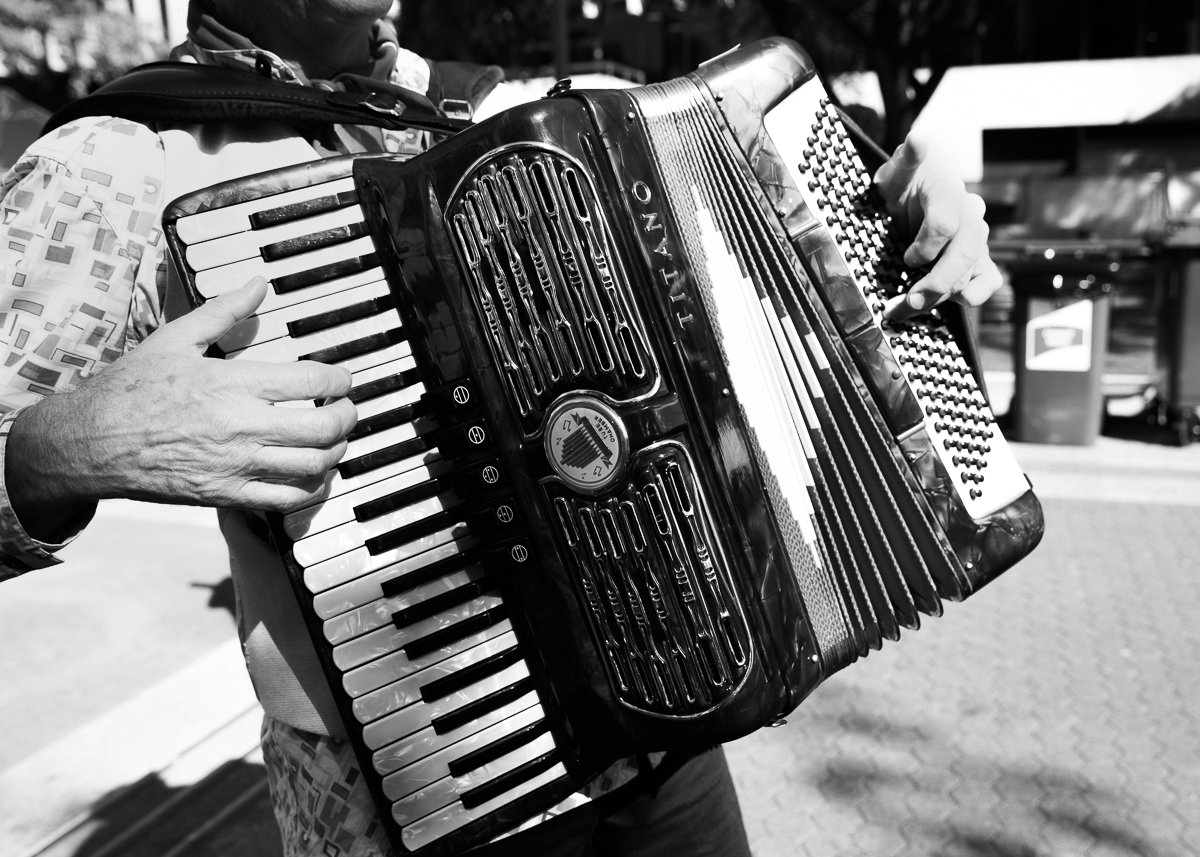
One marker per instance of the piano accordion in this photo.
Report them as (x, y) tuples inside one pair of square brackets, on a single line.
[(639, 462)]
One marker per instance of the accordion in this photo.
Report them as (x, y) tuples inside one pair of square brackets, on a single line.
[(639, 461)]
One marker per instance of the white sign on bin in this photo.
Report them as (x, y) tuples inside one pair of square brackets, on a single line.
[(1060, 340)]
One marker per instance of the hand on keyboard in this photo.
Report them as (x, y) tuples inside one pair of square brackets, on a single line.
[(950, 233), (163, 423)]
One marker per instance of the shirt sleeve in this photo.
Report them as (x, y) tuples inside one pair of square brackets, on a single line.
[(82, 274)]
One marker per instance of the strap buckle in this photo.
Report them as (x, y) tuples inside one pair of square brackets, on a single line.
[(376, 102), (457, 108)]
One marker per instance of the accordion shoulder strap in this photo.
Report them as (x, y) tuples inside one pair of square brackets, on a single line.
[(186, 93)]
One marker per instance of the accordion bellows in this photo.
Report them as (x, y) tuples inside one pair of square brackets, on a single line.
[(663, 465)]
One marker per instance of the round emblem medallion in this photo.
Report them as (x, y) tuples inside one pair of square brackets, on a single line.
[(586, 443)]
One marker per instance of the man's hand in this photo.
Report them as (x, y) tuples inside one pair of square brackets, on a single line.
[(166, 424), (950, 232)]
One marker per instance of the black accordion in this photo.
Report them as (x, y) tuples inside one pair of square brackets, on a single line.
[(639, 461)]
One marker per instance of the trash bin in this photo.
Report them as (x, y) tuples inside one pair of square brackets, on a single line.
[(1179, 354), (1060, 339)]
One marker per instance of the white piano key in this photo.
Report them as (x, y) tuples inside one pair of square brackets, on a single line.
[(443, 822), (378, 613), (336, 582), (426, 742), (351, 590), (390, 401), (336, 484), (406, 693), (340, 509), (287, 349), (217, 281), (385, 638), (274, 301), (397, 664), (373, 358), (436, 765), (382, 440), (394, 726), (266, 326), (206, 225), (325, 545), (383, 370), (238, 246), (446, 792)]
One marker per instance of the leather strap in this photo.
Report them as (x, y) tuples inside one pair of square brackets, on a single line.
[(186, 93)]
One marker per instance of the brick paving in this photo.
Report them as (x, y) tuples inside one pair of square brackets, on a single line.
[(1053, 714)]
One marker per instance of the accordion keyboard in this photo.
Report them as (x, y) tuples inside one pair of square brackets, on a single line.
[(398, 563)]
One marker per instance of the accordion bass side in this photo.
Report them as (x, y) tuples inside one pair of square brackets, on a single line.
[(662, 465)]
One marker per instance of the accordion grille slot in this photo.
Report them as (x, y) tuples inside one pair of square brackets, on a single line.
[(546, 283), (656, 590)]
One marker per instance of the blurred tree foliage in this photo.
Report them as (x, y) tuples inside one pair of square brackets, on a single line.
[(512, 34), (909, 44), (54, 51)]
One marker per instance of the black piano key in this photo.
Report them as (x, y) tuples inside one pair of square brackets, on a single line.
[(346, 350), (467, 676), (491, 752), (313, 241), (485, 520), (453, 633), (456, 398), (440, 603), (326, 320), (452, 442), (386, 420), (464, 715), (298, 210), (480, 476), (494, 558), (304, 279), (434, 571), (386, 384), (460, 441), (381, 457), (505, 782)]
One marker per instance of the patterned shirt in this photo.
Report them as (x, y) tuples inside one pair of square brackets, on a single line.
[(83, 262)]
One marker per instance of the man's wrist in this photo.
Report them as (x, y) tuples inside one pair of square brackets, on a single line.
[(41, 492)]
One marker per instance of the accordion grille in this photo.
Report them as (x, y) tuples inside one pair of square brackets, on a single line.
[(656, 587), (546, 282)]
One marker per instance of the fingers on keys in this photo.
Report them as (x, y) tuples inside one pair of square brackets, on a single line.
[(300, 381), (296, 446)]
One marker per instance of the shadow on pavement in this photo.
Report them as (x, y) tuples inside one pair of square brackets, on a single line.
[(226, 814), (945, 801)]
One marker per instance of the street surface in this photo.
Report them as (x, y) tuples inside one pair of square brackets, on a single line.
[(1053, 714)]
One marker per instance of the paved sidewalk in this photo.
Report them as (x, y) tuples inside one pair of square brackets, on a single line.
[(1053, 714)]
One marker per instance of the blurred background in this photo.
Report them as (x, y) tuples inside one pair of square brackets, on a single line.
[(1053, 715), (1076, 120)]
